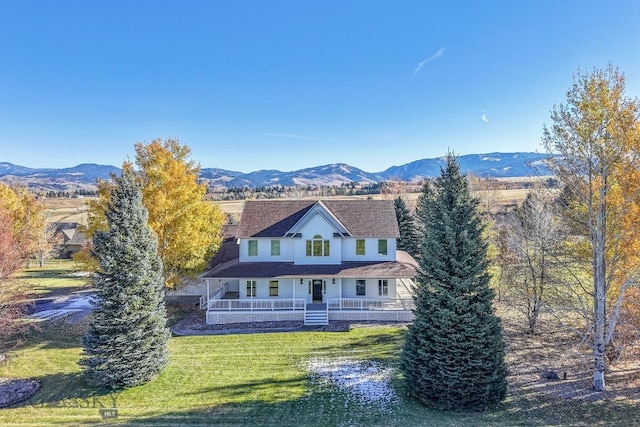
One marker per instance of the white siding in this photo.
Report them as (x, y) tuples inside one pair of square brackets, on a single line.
[(317, 226), (264, 250), (349, 288), (285, 288), (370, 250)]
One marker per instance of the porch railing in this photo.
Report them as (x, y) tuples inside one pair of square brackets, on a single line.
[(370, 304), (252, 304)]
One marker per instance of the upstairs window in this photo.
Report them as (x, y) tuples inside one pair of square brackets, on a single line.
[(318, 246), (253, 248), (361, 287), (360, 247), (275, 248), (382, 247)]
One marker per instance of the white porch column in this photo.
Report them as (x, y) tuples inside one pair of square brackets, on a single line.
[(340, 293), (293, 284), (208, 304)]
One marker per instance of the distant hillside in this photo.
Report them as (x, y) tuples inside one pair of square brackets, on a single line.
[(485, 165), (83, 176)]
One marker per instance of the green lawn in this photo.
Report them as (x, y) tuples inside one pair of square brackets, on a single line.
[(58, 277), (254, 380), (257, 380)]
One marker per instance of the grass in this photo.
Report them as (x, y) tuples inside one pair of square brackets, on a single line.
[(262, 380), (58, 277), (258, 380)]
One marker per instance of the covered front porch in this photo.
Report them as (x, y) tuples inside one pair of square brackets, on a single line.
[(312, 300)]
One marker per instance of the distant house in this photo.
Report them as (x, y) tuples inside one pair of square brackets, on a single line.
[(311, 261), (72, 237)]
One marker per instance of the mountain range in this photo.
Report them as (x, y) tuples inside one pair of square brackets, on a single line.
[(84, 176)]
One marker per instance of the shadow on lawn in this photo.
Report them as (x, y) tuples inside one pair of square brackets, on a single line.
[(56, 334), (386, 345), (252, 388), (70, 391)]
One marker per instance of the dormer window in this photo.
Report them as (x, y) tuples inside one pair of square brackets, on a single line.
[(317, 246)]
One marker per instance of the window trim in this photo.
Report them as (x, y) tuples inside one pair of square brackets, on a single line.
[(251, 288), (272, 288), (318, 246), (363, 284), (275, 247), (383, 287), (252, 244), (380, 247)]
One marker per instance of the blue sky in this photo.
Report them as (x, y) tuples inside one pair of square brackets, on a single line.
[(285, 85)]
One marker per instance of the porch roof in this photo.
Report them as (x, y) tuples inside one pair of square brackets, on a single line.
[(403, 268)]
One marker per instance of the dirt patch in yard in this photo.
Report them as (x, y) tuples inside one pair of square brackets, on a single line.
[(556, 348)]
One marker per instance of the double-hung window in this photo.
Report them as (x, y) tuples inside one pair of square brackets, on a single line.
[(359, 246), (275, 248), (383, 288), (361, 287), (253, 248), (251, 288), (382, 246), (273, 288)]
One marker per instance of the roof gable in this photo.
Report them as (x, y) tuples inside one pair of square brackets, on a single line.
[(318, 209), (359, 218)]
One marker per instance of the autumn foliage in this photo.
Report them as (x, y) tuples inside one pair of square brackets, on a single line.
[(187, 226), (21, 225)]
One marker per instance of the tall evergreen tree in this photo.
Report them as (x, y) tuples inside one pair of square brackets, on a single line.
[(453, 356), (126, 344), (408, 240)]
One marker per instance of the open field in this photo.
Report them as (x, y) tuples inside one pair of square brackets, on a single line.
[(60, 209), (510, 192)]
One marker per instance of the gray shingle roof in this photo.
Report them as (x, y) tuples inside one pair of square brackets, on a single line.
[(386, 269), (362, 218)]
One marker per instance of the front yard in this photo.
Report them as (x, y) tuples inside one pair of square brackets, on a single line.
[(269, 379), (318, 378)]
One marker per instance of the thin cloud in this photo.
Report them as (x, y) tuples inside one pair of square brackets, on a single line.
[(484, 118), (433, 57)]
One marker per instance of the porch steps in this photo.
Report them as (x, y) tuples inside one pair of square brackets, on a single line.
[(316, 315)]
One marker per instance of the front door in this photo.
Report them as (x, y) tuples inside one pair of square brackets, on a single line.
[(317, 290)]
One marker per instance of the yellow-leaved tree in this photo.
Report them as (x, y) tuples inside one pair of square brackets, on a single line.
[(189, 228), (28, 219), (596, 137), (22, 224)]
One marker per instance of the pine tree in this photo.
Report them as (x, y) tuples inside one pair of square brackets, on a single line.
[(408, 240), (453, 357), (126, 344)]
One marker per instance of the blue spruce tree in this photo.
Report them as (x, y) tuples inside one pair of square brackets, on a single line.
[(453, 357), (126, 344)]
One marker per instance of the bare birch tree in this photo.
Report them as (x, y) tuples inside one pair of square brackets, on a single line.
[(597, 137)]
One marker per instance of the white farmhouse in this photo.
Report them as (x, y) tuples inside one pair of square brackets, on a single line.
[(315, 261)]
